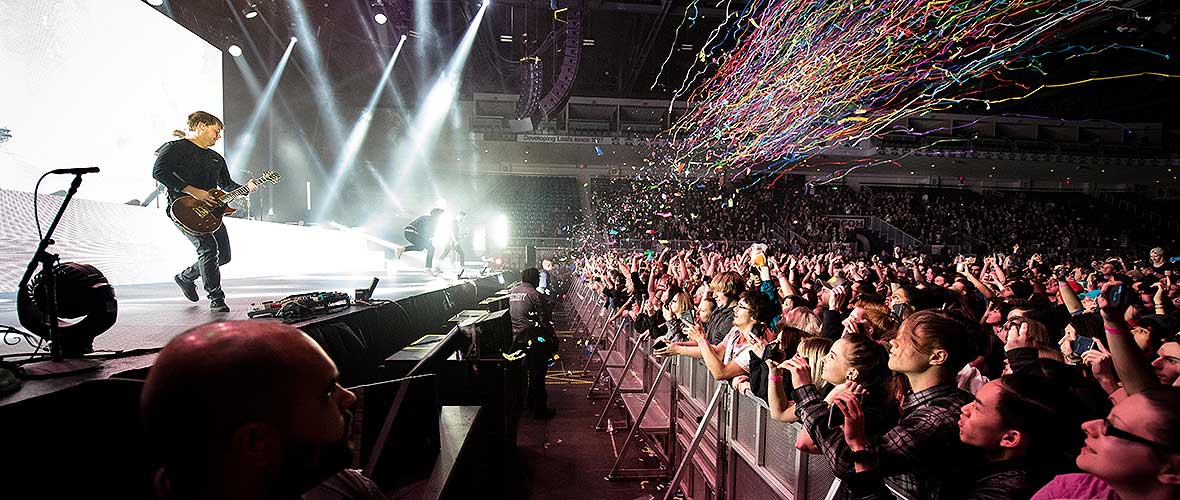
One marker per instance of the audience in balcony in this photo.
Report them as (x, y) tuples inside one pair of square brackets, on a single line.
[(1070, 227)]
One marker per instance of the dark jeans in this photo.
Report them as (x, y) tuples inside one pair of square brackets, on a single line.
[(537, 358), (456, 247), (419, 242), (212, 253)]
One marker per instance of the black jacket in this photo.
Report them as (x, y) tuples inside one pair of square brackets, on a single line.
[(181, 163)]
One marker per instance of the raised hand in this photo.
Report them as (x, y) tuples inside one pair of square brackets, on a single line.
[(854, 421), (836, 298), (1018, 337), (1111, 312), (696, 333), (1100, 362), (800, 371)]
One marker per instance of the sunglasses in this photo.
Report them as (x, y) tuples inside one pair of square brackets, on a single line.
[(1115, 432)]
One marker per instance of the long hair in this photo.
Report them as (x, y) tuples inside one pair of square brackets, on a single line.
[(1165, 400), (801, 318), (881, 319), (729, 284), (814, 349), (870, 359)]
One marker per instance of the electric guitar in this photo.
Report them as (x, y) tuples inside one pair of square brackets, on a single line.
[(198, 218)]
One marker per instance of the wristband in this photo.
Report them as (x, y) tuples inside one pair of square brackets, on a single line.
[(776, 378), (1115, 331)]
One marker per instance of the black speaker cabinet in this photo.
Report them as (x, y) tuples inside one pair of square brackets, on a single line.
[(495, 303), (399, 431), (492, 335)]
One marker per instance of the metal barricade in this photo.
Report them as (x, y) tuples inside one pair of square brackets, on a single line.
[(716, 444)]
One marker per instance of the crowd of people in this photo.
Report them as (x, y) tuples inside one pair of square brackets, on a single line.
[(950, 216), (1009, 375), (1068, 225), (631, 209)]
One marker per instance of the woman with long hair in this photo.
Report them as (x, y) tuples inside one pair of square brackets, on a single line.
[(854, 361), (918, 455)]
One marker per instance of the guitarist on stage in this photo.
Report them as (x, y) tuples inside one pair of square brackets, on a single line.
[(189, 168)]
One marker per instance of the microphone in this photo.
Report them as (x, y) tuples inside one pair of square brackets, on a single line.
[(75, 171)]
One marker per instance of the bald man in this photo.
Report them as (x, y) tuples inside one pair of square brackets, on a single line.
[(250, 409)]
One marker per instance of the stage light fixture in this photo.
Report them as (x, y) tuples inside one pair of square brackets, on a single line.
[(155, 3), (83, 296), (380, 18), (251, 10), (235, 51)]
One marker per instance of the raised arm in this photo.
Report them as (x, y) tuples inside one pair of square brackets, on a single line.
[(1068, 297), (1130, 362)]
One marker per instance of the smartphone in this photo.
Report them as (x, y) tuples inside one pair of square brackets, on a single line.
[(1115, 296), (1082, 344), (772, 351), (835, 417), (835, 282), (658, 345)]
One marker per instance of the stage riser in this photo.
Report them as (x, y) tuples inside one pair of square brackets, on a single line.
[(359, 342), (136, 245), (90, 433)]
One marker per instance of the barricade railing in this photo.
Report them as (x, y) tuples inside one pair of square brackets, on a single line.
[(715, 443)]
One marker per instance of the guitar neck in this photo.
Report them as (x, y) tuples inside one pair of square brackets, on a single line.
[(233, 195)]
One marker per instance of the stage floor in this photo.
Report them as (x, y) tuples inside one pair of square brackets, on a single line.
[(150, 315)]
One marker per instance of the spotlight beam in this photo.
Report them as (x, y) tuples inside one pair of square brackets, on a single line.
[(357, 136), (241, 154), (423, 131), (321, 87), (369, 237)]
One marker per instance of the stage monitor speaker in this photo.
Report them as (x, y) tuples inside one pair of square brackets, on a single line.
[(495, 303), (490, 337), (530, 256)]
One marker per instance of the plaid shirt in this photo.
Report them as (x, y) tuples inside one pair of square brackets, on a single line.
[(916, 456)]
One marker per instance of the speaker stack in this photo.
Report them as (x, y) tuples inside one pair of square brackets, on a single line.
[(564, 83)]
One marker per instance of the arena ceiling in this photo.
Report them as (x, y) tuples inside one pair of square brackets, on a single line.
[(636, 48)]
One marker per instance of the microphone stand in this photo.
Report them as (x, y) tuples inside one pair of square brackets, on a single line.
[(49, 280)]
